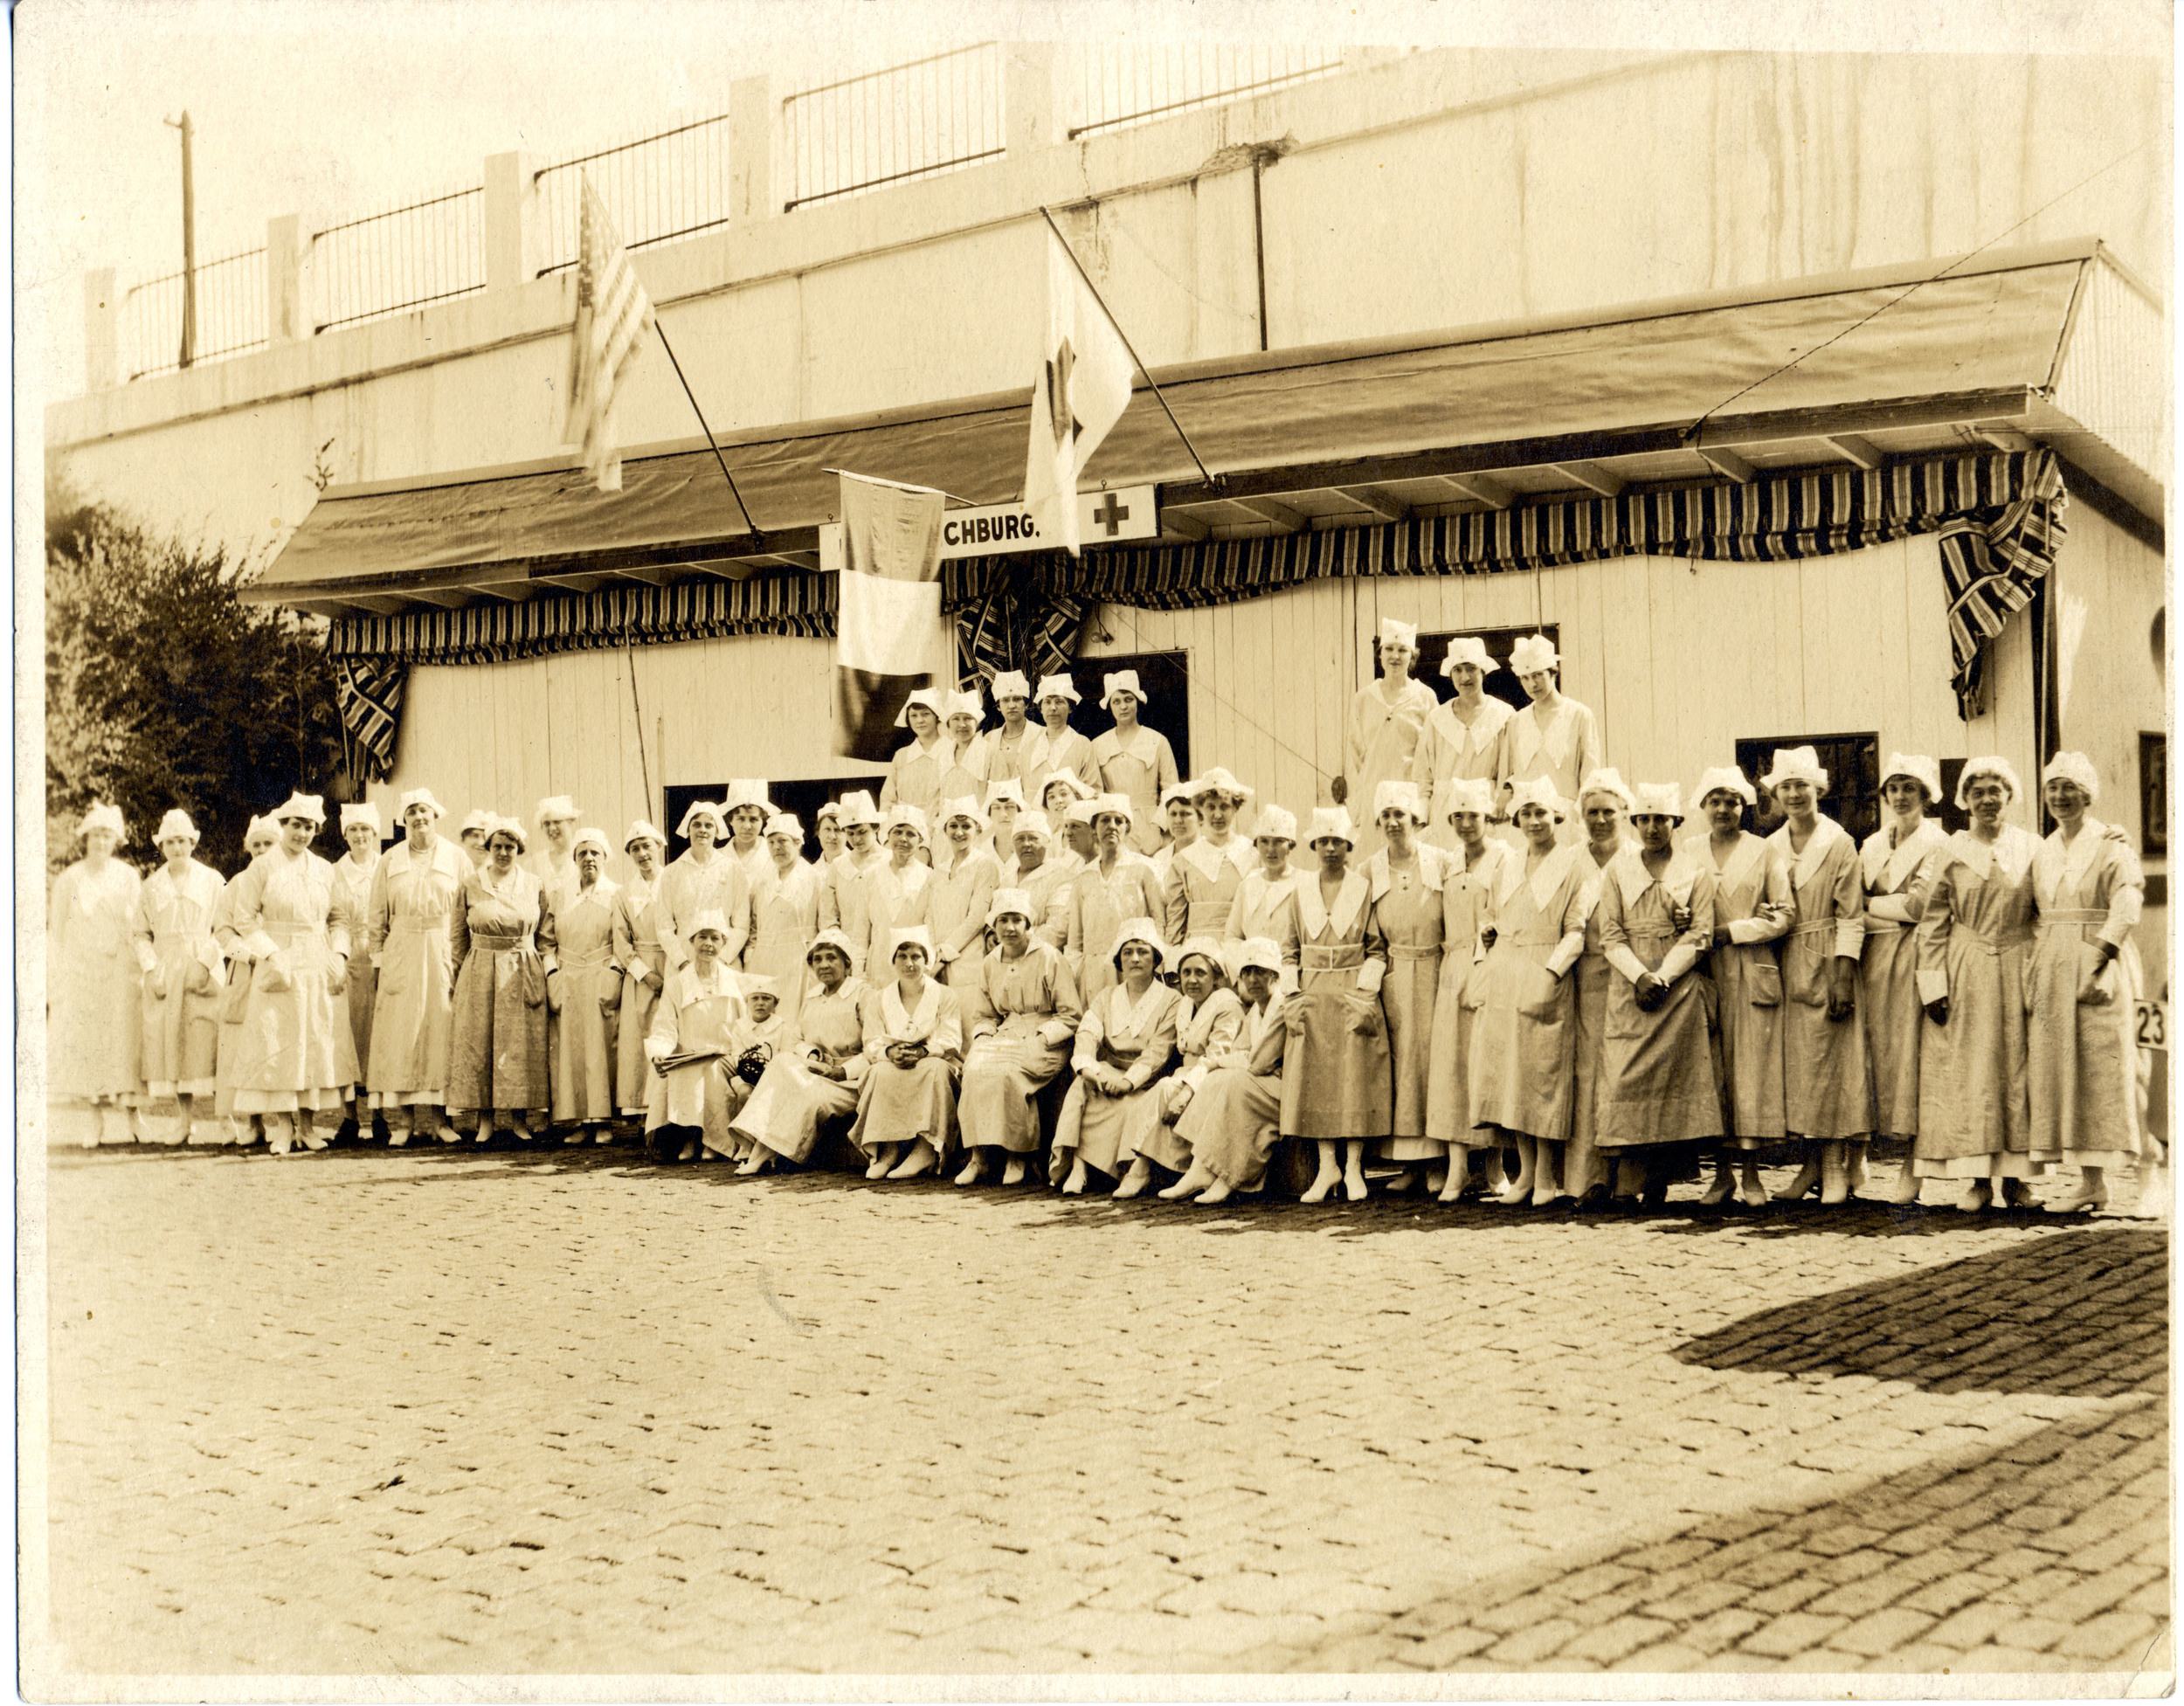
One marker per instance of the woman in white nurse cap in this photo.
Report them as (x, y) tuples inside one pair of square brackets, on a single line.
[(962, 764), (1054, 746), (1023, 1011), (1827, 1070), (1468, 878), (413, 896), (92, 983), (692, 1045), (1386, 718), (1005, 746), (352, 882), (914, 1040), (1554, 736), (1890, 861), (2081, 984), (1407, 879), (914, 772), (784, 908), (171, 926), (1116, 887), (1133, 760), (1461, 741)]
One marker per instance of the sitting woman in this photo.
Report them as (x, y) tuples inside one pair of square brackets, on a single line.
[(765, 1031), (914, 1044), (1024, 1009), (814, 1076), (1128, 1037), (1208, 1019), (694, 1029), (1234, 1119)]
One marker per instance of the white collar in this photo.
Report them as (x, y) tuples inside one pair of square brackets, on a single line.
[(1826, 832), (1431, 869), (1207, 860), (1349, 903), (1885, 867), (1748, 852), (1474, 735), (2013, 850), (2062, 868), (891, 1000), (1132, 1018), (1631, 876)]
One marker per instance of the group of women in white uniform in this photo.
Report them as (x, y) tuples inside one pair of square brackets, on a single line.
[(1039, 952)]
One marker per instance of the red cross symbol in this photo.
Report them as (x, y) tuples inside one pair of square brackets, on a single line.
[(1111, 514)]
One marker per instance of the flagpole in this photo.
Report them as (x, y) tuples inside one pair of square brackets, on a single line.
[(1048, 215), (756, 537)]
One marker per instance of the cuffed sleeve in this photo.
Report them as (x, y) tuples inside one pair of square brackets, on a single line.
[(1933, 986)]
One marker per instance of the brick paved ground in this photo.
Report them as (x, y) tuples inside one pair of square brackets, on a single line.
[(454, 1411)]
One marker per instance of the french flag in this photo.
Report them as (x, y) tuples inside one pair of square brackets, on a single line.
[(887, 626)]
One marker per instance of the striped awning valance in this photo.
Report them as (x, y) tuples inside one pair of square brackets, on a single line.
[(1999, 517), (497, 632)]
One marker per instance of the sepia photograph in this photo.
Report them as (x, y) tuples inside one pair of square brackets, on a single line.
[(1131, 850)]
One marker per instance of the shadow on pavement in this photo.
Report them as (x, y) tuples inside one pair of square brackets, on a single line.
[(2083, 1312)]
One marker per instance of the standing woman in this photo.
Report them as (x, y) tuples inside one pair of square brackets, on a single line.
[(1003, 806), (352, 876), (1658, 1095), (914, 772), (961, 894), (1117, 886), (1126, 1039), (1135, 762), (1407, 878), (843, 903), (1827, 1076), (706, 880), (963, 763), (747, 811), (1045, 883), (472, 836), (171, 925), (2081, 988), (296, 1058), (235, 997), (1753, 910), (1055, 748), (1387, 719), (914, 1053), (784, 908), (501, 937), (691, 1047), (1065, 802), (1468, 878), (895, 896), (1022, 1011), (1007, 747), (413, 893), (1974, 940), (555, 863), (1604, 804), (1461, 741), (1179, 812), (1888, 971), (1204, 878), (826, 825), (584, 998), (815, 1075), (1208, 1019), (1266, 899), (92, 987), (643, 950), (1524, 1035), (1552, 737), (1335, 1080)]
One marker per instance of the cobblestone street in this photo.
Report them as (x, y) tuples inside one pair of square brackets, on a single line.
[(448, 1411)]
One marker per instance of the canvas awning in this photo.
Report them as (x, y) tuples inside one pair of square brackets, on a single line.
[(1851, 370)]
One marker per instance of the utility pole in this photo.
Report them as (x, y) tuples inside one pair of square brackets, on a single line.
[(189, 247)]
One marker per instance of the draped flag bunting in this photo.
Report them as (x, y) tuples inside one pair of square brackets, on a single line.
[(1081, 390), (613, 314), (1999, 517), (887, 620), (368, 694)]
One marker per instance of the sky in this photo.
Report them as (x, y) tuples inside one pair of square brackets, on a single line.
[(336, 108)]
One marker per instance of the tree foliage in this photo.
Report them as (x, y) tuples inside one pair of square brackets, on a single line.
[(164, 688)]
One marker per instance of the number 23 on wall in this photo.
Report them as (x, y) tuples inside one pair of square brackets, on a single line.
[(2153, 1025)]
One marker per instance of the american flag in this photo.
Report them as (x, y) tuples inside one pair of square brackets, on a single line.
[(613, 314)]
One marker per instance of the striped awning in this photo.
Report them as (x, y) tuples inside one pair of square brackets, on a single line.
[(1998, 516)]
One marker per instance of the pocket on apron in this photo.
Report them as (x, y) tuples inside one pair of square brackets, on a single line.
[(1767, 984)]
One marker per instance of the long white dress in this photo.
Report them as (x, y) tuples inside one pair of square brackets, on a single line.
[(902, 1105), (1407, 902), (1888, 971), (1022, 1013), (1565, 746), (1973, 941), (1450, 749), (1141, 766), (355, 882), (1523, 1029), (1205, 1033), (1136, 1037), (92, 983), (914, 774), (845, 902), (643, 948), (957, 901), (181, 964), (1200, 885), (1826, 1075), (1467, 910), (582, 1043), (791, 1100), (784, 912), (895, 899), (412, 898), (1100, 903), (721, 884), (2082, 1081), (295, 1054), (1381, 746), (1747, 976), (694, 1011)]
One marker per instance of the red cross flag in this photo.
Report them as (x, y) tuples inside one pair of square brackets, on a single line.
[(1081, 390), (887, 627), (613, 314)]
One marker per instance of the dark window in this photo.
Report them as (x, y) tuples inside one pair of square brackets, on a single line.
[(1852, 764), (803, 799), (2154, 794), (1165, 677), (1432, 650)]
